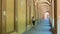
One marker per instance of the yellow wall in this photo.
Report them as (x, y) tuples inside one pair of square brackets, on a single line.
[(21, 9), (30, 13), (21, 16), (34, 11), (9, 15)]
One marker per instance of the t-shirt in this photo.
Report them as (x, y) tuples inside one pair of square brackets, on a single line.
[(33, 19)]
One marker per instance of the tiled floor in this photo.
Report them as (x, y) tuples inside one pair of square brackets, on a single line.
[(43, 27)]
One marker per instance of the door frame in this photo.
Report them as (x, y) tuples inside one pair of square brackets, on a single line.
[(0, 16), (55, 16)]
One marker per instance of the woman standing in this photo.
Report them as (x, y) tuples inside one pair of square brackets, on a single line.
[(33, 20)]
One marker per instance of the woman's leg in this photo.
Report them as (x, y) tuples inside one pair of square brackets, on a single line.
[(33, 22)]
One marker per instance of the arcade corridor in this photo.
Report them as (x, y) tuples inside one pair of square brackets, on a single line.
[(29, 16)]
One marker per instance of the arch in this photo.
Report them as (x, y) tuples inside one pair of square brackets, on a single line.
[(44, 2), (44, 6), (49, 0)]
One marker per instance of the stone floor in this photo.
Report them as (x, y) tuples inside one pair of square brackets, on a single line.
[(43, 27)]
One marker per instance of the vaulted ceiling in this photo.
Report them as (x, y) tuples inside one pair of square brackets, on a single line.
[(43, 5)]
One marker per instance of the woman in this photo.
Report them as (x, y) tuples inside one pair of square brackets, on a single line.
[(33, 20)]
